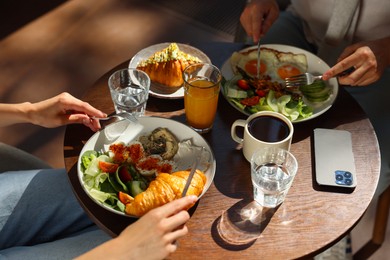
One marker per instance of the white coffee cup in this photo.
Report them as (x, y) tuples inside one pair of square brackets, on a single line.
[(263, 129)]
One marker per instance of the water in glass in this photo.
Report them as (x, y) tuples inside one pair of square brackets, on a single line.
[(131, 99), (270, 184)]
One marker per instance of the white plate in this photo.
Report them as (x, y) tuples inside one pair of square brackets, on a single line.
[(315, 66), (159, 90), (126, 131)]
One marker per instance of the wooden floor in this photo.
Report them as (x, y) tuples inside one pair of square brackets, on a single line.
[(47, 47)]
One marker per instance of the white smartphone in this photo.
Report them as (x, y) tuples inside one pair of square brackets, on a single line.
[(334, 159)]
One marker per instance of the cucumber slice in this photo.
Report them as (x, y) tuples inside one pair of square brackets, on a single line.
[(136, 188), (236, 93)]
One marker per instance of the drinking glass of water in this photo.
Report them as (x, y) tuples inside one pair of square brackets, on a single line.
[(272, 170), (129, 90)]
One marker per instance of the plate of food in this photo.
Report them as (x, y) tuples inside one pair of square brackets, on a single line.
[(130, 168), (249, 94), (164, 63)]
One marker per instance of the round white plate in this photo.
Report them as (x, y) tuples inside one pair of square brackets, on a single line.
[(159, 90), (126, 131), (315, 66)]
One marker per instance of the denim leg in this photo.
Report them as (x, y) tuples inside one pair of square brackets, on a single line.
[(38, 206), (66, 248)]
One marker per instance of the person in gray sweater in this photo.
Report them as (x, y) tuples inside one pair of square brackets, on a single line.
[(345, 34)]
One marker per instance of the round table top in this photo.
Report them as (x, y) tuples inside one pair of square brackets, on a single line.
[(226, 222)]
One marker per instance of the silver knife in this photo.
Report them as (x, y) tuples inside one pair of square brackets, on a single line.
[(258, 59), (192, 172)]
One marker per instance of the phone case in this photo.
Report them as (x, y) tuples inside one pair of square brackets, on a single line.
[(334, 160)]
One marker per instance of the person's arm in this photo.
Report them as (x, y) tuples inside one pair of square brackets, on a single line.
[(258, 16), (153, 236), (60, 110), (369, 59)]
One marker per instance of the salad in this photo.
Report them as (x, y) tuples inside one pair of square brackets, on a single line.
[(252, 95), (124, 171)]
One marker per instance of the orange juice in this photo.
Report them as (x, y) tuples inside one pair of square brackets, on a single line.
[(200, 102)]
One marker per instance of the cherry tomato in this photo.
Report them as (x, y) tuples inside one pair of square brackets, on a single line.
[(243, 84), (251, 101), (108, 167), (125, 198), (260, 93)]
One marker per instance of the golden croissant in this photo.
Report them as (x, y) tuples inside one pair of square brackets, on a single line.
[(165, 188), (166, 66)]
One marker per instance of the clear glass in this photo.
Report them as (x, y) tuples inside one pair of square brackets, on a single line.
[(272, 171), (129, 90), (201, 91)]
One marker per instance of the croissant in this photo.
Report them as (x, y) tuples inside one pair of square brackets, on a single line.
[(165, 188), (166, 66)]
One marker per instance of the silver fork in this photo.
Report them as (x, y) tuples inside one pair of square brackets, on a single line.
[(258, 59), (308, 78), (301, 80), (121, 115)]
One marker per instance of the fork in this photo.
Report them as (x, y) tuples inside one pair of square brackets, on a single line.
[(308, 78), (258, 60), (121, 115)]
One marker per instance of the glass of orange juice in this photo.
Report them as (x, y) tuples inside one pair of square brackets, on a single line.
[(201, 89)]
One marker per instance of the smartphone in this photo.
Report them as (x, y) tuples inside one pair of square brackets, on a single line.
[(333, 158)]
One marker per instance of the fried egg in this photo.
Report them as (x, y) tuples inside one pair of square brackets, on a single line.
[(277, 65), (248, 62)]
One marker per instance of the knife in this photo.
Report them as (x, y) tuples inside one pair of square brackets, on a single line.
[(258, 59), (192, 172)]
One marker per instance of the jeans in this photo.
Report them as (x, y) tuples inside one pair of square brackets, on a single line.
[(40, 217)]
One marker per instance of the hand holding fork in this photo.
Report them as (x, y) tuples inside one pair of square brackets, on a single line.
[(308, 78)]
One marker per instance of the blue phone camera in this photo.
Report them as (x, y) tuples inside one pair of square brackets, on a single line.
[(343, 178)]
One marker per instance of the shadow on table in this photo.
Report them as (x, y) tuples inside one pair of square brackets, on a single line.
[(241, 225)]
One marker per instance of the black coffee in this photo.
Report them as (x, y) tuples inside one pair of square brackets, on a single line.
[(268, 129)]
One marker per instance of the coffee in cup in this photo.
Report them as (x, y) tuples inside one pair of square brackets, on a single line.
[(263, 129)]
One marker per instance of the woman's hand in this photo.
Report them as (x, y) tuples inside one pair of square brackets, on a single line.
[(64, 109), (153, 236), (258, 16), (369, 59)]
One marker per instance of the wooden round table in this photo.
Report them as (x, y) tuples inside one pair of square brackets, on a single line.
[(226, 223)]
